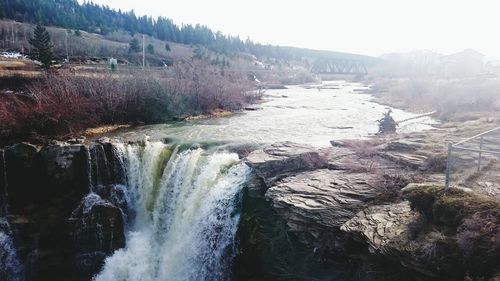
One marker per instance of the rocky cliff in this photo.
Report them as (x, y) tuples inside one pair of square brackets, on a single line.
[(350, 200), (64, 204)]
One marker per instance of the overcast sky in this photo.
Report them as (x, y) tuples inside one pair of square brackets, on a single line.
[(370, 27)]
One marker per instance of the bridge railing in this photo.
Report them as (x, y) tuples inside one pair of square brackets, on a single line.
[(475, 162)]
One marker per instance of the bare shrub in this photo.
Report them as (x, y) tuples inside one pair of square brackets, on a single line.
[(64, 103), (479, 235), (436, 163), (391, 184)]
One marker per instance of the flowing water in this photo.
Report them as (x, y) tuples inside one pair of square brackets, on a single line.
[(181, 203), (185, 201), (312, 115), (10, 267), (186, 214)]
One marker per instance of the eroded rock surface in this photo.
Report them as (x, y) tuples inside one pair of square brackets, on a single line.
[(283, 159), (378, 225), (324, 197)]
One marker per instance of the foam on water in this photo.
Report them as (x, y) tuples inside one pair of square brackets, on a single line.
[(186, 218)]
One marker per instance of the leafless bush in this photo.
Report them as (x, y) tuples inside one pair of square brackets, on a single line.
[(391, 184), (479, 235), (436, 163), (64, 103)]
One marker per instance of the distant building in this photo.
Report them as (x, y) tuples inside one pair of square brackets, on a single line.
[(492, 67), (463, 64)]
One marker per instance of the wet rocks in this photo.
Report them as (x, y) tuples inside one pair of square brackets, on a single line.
[(96, 231), (253, 108), (64, 172), (44, 189)]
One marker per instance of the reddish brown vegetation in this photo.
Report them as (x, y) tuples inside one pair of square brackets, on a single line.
[(63, 103)]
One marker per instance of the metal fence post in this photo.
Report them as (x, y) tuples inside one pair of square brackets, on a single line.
[(480, 154), (448, 164)]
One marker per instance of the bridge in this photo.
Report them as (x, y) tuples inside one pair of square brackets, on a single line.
[(339, 66)]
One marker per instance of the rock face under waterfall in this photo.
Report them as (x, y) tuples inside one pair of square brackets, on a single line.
[(57, 231)]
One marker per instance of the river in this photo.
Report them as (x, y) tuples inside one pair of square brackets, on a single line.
[(186, 200), (309, 115)]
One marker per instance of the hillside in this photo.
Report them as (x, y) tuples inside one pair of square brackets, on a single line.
[(119, 26)]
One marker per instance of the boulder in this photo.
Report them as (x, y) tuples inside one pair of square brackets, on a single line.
[(97, 230), (279, 160), (65, 169), (323, 197), (378, 225), (398, 233), (338, 143), (117, 195)]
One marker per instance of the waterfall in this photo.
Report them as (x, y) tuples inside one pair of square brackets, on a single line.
[(185, 214), (10, 267)]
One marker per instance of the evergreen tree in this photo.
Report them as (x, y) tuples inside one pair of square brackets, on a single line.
[(42, 46), (151, 49), (91, 17), (134, 46)]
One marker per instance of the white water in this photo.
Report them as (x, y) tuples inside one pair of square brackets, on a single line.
[(186, 215), (10, 267), (303, 115)]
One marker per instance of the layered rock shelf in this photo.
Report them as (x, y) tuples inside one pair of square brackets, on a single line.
[(57, 201), (348, 192)]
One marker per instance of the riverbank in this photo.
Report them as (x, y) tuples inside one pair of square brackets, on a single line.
[(350, 209), (370, 194), (60, 104)]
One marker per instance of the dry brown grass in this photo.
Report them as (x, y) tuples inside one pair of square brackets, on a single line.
[(101, 130), (469, 224), (18, 68)]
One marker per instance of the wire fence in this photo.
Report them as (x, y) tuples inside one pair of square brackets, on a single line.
[(475, 162)]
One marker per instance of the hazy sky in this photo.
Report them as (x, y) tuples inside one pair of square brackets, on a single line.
[(371, 27)]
